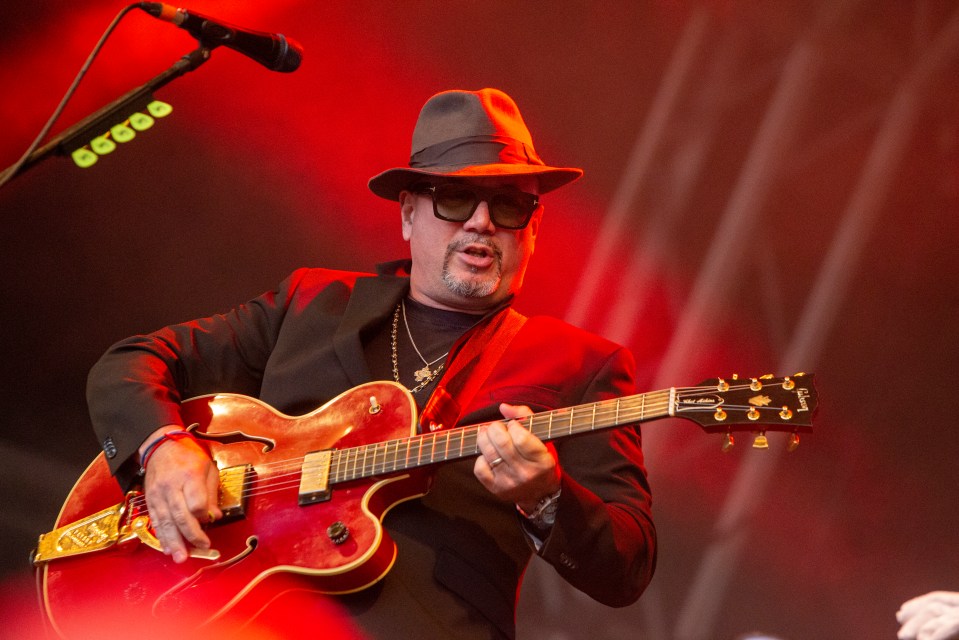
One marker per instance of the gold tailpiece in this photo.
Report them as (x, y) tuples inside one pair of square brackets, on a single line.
[(95, 532)]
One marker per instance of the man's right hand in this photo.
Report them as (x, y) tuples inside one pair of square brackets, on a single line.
[(181, 488)]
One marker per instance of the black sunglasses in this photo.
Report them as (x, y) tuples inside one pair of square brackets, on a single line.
[(509, 208)]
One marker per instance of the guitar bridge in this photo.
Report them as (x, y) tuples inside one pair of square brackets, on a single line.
[(315, 478)]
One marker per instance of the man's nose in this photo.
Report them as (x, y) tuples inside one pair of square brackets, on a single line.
[(481, 221)]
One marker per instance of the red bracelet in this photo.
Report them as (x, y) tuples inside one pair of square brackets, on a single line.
[(176, 434)]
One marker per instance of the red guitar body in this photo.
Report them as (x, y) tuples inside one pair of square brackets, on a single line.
[(132, 584)]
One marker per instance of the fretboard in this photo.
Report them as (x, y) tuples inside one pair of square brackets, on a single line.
[(450, 444)]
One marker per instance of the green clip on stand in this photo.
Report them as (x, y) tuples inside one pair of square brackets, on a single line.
[(117, 122)]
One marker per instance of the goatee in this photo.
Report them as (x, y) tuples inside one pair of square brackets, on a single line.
[(473, 288)]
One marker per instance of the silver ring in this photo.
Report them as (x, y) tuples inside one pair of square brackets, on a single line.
[(495, 463)]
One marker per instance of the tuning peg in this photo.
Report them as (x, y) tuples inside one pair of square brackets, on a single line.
[(755, 384), (788, 384), (793, 443), (761, 442), (722, 386), (720, 415), (785, 414), (728, 442), (752, 414)]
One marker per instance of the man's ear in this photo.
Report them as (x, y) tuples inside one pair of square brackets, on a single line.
[(407, 201), (534, 223), (533, 227)]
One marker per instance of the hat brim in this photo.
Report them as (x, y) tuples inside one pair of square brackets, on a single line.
[(391, 182)]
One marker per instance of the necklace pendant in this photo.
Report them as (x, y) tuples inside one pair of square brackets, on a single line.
[(422, 374)]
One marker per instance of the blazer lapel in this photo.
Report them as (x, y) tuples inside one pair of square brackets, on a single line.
[(372, 300)]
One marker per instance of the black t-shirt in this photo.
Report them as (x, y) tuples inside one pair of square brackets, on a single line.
[(433, 331)]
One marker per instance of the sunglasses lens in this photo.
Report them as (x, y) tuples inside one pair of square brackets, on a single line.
[(508, 208), (455, 202), (512, 210)]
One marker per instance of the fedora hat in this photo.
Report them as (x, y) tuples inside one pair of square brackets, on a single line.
[(467, 134)]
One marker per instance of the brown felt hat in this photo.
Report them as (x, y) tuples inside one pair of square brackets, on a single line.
[(471, 133)]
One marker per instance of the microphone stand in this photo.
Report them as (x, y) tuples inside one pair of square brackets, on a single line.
[(117, 111)]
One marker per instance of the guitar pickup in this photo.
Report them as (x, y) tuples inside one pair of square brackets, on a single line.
[(315, 478), (234, 488)]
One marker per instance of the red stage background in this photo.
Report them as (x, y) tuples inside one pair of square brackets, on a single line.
[(767, 185)]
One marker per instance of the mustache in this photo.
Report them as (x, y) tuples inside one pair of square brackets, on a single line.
[(474, 238)]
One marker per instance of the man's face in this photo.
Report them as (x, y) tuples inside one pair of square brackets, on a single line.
[(466, 266)]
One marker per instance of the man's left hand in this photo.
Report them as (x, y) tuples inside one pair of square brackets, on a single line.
[(515, 465)]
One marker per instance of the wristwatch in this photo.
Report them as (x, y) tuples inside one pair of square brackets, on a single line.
[(544, 515)]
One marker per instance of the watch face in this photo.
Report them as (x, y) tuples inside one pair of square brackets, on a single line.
[(544, 515)]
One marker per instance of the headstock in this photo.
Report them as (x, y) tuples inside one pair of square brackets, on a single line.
[(752, 404)]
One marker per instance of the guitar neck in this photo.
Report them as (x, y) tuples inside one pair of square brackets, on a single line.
[(451, 444)]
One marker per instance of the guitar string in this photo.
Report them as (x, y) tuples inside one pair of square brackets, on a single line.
[(284, 474), (286, 482), (291, 480), (390, 464), (360, 462), (277, 478)]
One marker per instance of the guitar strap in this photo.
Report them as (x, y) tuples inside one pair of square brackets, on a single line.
[(468, 370)]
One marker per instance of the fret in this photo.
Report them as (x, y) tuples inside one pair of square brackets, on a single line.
[(593, 425), (419, 452), (384, 451), (616, 418), (416, 443), (350, 464), (549, 426), (396, 449), (357, 467)]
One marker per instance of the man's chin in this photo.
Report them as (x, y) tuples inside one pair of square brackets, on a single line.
[(472, 286)]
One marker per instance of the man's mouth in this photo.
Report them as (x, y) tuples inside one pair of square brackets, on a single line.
[(476, 255), (478, 252)]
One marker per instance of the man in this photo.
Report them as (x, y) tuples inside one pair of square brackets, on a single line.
[(469, 208)]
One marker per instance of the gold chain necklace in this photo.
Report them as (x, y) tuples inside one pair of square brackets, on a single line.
[(424, 376), (419, 374)]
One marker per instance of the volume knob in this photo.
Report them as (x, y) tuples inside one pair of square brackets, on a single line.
[(338, 532)]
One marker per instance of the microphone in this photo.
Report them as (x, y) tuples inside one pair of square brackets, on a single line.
[(273, 50)]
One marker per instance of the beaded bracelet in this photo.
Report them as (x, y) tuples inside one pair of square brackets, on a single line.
[(176, 434)]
